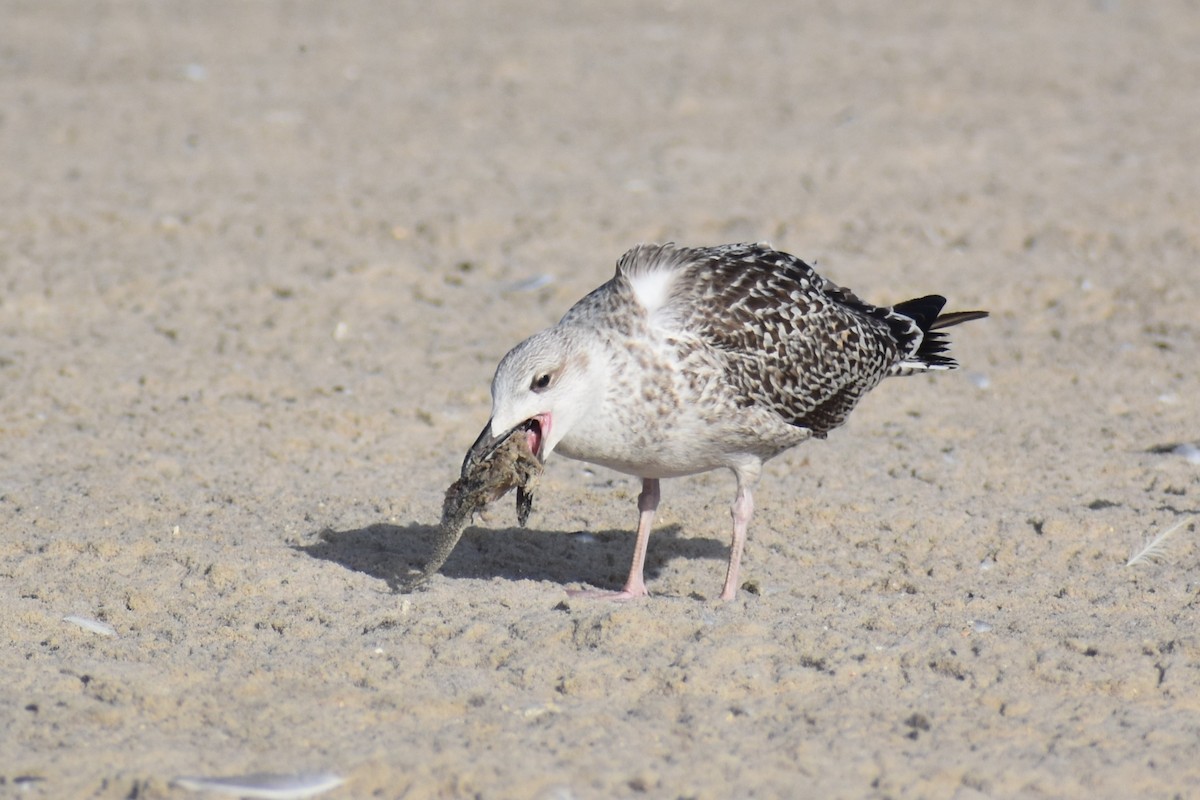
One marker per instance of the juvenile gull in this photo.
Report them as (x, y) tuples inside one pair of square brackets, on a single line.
[(690, 359)]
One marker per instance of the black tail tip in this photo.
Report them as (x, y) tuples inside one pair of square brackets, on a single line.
[(923, 310)]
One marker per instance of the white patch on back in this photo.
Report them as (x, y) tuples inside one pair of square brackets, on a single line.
[(652, 288)]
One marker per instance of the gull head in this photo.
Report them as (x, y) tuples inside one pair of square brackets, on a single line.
[(543, 386)]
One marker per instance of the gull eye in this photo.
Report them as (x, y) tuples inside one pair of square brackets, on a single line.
[(540, 382)]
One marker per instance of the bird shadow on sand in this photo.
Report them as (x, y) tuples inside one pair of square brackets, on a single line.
[(391, 553)]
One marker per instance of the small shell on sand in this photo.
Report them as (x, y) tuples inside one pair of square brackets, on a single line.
[(95, 626), (265, 786)]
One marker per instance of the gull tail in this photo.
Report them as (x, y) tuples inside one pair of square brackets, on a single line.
[(930, 354)]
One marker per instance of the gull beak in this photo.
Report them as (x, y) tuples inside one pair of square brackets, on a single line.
[(486, 444), (483, 447)]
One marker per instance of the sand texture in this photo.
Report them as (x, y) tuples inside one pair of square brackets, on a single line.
[(258, 261)]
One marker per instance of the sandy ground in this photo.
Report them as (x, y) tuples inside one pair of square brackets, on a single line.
[(258, 262)]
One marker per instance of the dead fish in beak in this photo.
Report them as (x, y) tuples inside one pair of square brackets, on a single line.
[(524, 472), (493, 466)]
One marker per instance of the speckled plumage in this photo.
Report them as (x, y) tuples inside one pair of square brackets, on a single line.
[(690, 359)]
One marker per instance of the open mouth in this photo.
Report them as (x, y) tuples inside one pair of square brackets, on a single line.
[(533, 429)]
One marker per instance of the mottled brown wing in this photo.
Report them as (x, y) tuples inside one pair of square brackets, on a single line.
[(790, 340)]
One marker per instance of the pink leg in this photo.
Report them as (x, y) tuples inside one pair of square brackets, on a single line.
[(635, 586), (743, 509)]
